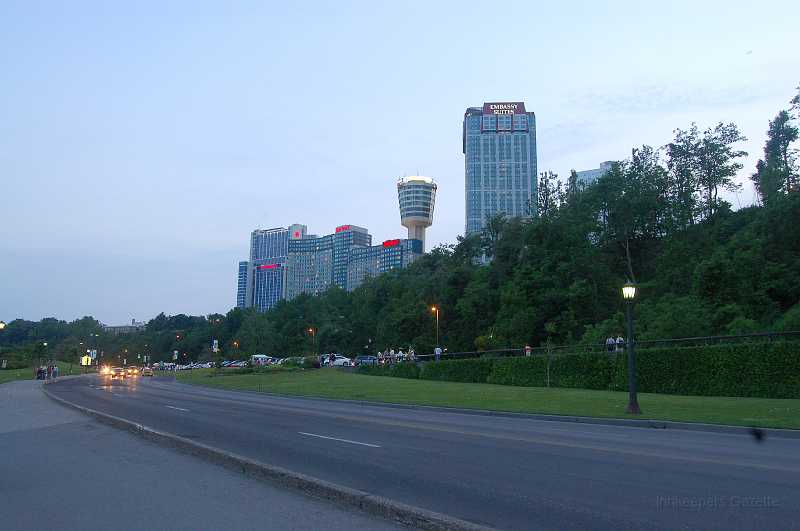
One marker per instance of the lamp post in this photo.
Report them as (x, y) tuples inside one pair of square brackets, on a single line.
[(313, 332), (629, 295), (435, 309)]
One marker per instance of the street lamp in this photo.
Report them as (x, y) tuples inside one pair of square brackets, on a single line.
[(629, 295), (313, 333), (435, 309)]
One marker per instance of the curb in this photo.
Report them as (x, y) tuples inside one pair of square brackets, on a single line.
[(785, 433), (378, 506)]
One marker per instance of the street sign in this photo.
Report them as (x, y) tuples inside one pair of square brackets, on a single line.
[(215, 346), (86, 361), (93, 354), (174, 355)]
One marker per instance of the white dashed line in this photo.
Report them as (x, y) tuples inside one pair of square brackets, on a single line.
[(178, 408)]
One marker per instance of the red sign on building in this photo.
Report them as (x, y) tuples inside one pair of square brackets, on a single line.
[(342, 228), (391, 243)]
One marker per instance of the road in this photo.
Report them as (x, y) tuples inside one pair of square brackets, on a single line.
[(61, 470), (510, 473)]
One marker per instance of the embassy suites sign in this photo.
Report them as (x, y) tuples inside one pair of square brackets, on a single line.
[(515, 107)]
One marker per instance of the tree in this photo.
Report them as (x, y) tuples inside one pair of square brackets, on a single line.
[(707, 161), (776, 173), (717, 164), (549, 191), (491, 233)]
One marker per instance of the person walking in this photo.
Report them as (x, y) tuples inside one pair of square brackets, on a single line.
[(620, 343), (610, 344), (437, 353), (55, 372)]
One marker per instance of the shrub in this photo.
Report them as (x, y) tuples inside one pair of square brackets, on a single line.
[(472, 370), (400, 370), (768, 370), (405, 370)]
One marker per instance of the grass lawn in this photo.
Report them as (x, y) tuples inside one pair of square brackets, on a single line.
[(331, 383), (10, 375)]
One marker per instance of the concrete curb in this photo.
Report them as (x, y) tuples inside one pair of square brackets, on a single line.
[(629, 423), (400, 513)]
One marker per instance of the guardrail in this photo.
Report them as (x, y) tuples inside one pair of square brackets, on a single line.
[(601, 348)]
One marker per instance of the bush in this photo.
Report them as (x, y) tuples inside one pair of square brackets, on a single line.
[(405, 370), (311, 362), (471, 371), (768, 370), (400, 370)]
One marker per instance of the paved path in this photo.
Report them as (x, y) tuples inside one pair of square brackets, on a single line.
[(61, 470), (513, 473)]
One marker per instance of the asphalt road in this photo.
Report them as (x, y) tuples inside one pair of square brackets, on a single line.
[(512, 473), (61, 470)]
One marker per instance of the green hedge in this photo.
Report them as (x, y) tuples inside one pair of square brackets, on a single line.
[(399, 370), (768, 370), (470, 371)]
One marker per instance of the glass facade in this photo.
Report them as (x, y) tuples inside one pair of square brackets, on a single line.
[(268, 280), (315, 264), (368, 262), (266, 244), (241, 285), (499, 146)]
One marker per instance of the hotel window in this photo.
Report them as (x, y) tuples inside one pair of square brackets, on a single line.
[(504, 122), (520, 122), (489, 122)]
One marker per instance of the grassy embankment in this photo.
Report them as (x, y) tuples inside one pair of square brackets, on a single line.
[(331, 383), (10, 375)]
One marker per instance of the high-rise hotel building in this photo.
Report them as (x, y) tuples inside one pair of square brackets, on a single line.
[(317, 263), (499, 146), (261, 279), (312, 264)]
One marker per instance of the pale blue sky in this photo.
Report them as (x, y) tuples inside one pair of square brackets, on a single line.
[(141, 142)]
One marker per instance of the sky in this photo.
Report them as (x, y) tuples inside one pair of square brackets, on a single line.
[(142, 142)]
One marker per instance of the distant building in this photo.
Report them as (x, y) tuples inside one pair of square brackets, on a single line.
[(588, 177), (260, 280), (241, 285), (135, 326), (499, 146), (315, 263), (417, 197), (268, 284), (367, 262)]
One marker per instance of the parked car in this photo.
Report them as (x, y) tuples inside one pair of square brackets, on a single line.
[(365, 360), (342, 361)]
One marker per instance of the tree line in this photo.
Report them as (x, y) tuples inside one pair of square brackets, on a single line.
[(657, 218)]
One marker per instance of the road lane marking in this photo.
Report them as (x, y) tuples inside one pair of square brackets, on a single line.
[(340, 440), (178, 408)]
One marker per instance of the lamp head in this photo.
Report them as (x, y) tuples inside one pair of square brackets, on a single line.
[(629, 291)]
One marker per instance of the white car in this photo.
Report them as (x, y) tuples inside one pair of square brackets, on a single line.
[(341, 361)]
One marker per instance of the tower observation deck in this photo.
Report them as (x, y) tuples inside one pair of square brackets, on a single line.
[(417, 196)]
